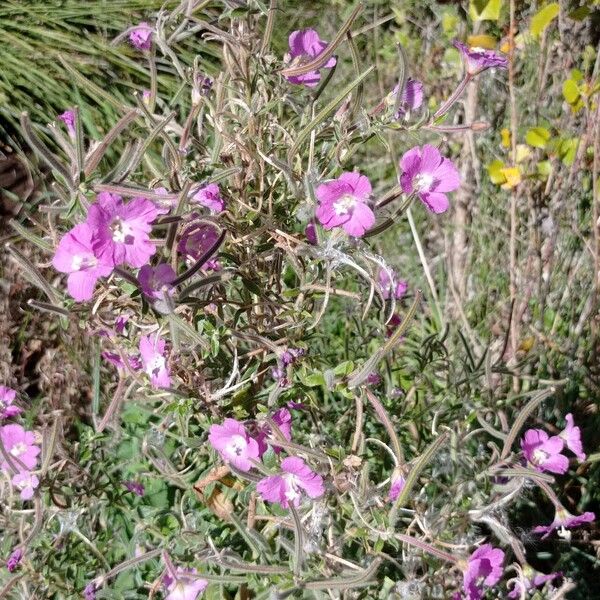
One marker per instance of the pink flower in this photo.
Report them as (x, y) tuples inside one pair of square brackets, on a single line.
[(120, 323), (13, 560), (412, 97), (134, 486), (428, 174), (7, 397), (343, 203), (373, 378), (210, 196), (121, 229), (389, 284), (285, 489), (141, 36), (531, 580), (397, 485), (311, 234), (20, 444), (543, 452), (291, 355), (479, 59), (305, 45), (76, 256), (156, 283), (233, 444), (26, 482), (563, 519), (152, 349), (68, 118), (571, 434), (197, 239), (283, 419), (184, 584), (483, 569)]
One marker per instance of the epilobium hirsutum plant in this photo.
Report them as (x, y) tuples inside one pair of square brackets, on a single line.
[(236, 447)]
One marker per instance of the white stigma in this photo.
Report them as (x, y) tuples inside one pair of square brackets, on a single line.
[(155, 365), (423, 182), (18, 449), (120, 231), (539, 456), (80, 262), (291, 492), (237, 445), (344, 205)]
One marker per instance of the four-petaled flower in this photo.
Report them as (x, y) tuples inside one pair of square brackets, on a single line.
[(184, 584), (141, 36), (75, 255), (210, 196), (479, 59), (563, 519), (390, 284), (7, 409), (484, 568), (121, 229), (571, 434), (26, 482), (152, 349), (428, 174), (20, 446), (234, 445), (286, 488), (544, 452), (343, 203), (305, 45)]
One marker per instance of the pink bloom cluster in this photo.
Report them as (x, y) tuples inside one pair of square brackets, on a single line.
[(114, 233), (19, 446), (237, 447)]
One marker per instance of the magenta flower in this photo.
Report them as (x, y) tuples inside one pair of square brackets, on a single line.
[(393, 324), (210, 196), (305, 45), (7, 397), (141, 36), (286, 488), (75, 255), (571, 434), (20, 444), (26, 482), (374, 378), (184, 584), (156, 283), (412, 97), (121, 229), (152, 349), (89, 592), (428, 174), (544, 452), (68, 118), (283, 419), (343, 203), (483, 569), (397, 485), (234, 445), (389, 284), (311, 234), (134, 486), (531, 579), (477, 59), (291, 355), (120, 323), (197, 239), (563, 519), (14, 559)]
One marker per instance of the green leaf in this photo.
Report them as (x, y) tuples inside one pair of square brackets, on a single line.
[(480, 10), (571, 91), (537, 137), (543, 18)]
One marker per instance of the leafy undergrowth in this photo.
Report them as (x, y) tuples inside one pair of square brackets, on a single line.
[(260, 358)]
